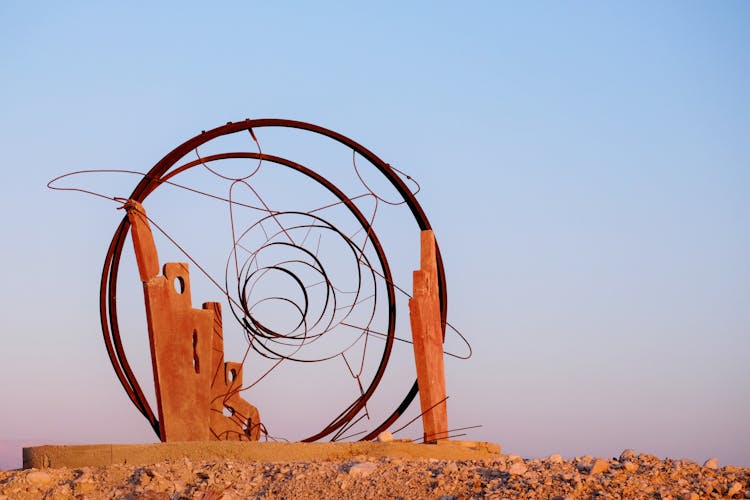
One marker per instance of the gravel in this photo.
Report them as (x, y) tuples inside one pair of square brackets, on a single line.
[(631, 476)]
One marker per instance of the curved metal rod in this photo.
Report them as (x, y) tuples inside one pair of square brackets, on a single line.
[(159, 173)]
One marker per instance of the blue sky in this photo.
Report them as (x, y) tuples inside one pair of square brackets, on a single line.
[(584, 165)]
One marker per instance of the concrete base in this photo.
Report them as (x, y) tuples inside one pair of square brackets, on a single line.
[(41, 457)]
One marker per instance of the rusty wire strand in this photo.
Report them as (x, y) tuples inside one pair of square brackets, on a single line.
[(260, 335), (448, 434)]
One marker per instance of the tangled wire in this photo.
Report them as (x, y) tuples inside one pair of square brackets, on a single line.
[(283, 277)]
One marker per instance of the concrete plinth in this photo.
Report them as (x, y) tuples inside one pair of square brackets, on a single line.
[(40, 457)]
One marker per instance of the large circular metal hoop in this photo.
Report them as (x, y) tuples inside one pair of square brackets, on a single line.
[(161, 172)]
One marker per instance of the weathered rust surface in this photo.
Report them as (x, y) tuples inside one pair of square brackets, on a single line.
[(243, 419), (427, 337), (193, 383), (180, 339)]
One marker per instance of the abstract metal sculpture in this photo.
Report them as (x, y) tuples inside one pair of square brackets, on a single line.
[(199, 395)]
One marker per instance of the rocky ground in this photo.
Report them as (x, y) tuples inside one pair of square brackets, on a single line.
[(507, 476)]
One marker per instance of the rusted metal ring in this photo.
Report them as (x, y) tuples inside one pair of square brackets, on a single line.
[(161, 172)]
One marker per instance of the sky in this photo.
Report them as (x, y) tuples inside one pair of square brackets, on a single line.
[(585, 167)]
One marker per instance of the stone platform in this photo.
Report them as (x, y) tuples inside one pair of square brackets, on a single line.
[(41, 457)]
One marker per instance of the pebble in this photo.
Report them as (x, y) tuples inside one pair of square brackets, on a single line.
[(385, 437), (711, 463), (451, 467), (518, 469), (362, 469), (689, 496), (38, 477), (734, 489), (599, 466), (630, 466)]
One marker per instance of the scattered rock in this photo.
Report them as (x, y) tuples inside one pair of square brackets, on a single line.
[(627, 455), (734, 489), (630, 466), (518, 468), (599, 466), (450, 467), (689, 496), (38, 477), (641, 476), (583, 465), (385, 437), (711, 463), (362, 469)]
